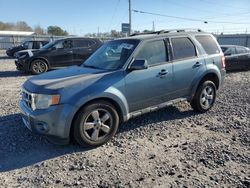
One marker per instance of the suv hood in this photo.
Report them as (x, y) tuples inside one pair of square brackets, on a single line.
[(67, 77)]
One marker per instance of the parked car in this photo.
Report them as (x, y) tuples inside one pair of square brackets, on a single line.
[(151, 71), (26, 45), (237, 57), (60, 53)]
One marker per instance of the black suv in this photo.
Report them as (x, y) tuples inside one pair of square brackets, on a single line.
[(26, 45), (59, 53)]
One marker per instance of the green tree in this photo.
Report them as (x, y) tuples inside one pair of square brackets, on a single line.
[(56, 30)]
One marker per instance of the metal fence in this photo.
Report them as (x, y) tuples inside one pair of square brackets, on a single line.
[(239, 39), (7, 41)]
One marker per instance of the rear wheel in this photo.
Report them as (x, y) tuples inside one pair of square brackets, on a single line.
[(204, 97), (95, 124), (38, 66)]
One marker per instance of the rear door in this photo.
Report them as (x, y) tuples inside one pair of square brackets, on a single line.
[(231, 58), (243, 57), (83, 48), (150, 86), (62, 54), (186, 65)]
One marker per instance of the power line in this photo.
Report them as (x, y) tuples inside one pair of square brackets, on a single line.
[(113, 15), (183, 18)]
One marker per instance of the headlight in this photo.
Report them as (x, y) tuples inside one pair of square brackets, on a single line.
[(41, 101)]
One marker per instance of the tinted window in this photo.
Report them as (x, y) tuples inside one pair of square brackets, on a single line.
[(83, 43), (230, 51), (63, 44), (154, 52), (224, 49), (241, 50), (183, 48), (208, 44)]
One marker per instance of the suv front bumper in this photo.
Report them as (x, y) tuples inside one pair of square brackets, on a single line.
[(54, 121), (22, 64)]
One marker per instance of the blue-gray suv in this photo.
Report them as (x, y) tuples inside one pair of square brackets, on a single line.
[(124, 78)]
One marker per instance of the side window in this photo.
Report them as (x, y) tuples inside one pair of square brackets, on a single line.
[(154, 52), (208, 44), (83, 43), (230, 51), (91, 43), (64, 44), (30, 45), (183, 48), (36, 45), (241, 50)]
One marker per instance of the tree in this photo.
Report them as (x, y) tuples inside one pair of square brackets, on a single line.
[(22, 26), (56, 30), (39, 30)]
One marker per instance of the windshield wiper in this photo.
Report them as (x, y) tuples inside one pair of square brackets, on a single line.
[(91, 66)]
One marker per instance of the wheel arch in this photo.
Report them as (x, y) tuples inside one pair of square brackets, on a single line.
[(213, 76), (107, 99), (40, 58)]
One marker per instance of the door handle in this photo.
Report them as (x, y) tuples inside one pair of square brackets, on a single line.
[(197, 64), (163, 73), (70, 52)]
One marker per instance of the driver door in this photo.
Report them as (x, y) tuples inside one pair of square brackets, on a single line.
[(151, 86), (62, 54)]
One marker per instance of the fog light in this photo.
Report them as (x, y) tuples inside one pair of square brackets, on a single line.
[(42, 127)]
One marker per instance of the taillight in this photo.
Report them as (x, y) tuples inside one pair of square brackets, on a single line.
[(223, 62)]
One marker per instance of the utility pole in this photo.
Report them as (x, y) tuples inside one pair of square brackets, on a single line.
[(153, 27), (130, 24)]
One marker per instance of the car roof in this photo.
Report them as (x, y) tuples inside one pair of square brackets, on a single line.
[(78, 38), (230, 45)]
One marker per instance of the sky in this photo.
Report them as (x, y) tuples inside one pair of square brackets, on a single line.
[(80, 17)]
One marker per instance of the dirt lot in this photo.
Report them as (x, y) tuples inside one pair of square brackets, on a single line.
[(173, 147)]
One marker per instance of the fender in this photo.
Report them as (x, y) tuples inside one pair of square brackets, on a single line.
[(211, 69)]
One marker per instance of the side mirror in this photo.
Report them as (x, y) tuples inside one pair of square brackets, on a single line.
[(138, 64)]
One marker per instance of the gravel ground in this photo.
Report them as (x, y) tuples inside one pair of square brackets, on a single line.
[(173, 147)]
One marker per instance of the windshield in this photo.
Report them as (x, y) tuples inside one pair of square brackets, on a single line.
[(223, 49), (112, 55), (49, 45)]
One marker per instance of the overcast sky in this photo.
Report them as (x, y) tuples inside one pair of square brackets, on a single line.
[(84, 16)]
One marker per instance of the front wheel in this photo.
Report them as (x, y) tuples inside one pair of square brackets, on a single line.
[(95, 124), (204, 97), (38, 66)]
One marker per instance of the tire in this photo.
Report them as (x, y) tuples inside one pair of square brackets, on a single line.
[(38, 66), (95, 124), (204, 97)]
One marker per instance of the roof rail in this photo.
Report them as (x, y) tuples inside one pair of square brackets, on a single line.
[(168, 31)]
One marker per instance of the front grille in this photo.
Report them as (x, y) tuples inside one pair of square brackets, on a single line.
[(27, 98)]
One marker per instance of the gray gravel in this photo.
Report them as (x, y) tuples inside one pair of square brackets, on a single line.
[(173, 147)]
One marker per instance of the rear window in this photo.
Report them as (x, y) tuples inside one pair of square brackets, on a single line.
[(241, 50), (208, 44), (183, 48)]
